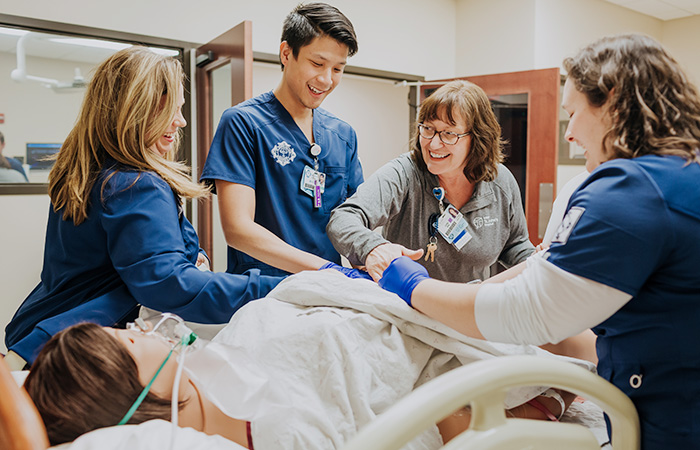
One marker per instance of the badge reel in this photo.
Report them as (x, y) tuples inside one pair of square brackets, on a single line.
[(451, 224), (313, 182)]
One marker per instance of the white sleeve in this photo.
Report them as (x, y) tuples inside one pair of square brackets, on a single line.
[(544, 304)]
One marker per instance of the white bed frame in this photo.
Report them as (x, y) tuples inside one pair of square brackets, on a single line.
[(484, 385)]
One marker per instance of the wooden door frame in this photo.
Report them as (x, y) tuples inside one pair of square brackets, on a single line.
[(234, 47)]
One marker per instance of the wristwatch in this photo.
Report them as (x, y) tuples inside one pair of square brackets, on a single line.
[(551, 393)]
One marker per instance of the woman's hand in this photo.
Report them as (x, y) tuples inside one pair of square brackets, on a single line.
[(379, 259), (202, 263)]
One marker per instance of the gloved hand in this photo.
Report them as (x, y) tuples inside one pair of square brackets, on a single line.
[(402, 276), (348, 272)]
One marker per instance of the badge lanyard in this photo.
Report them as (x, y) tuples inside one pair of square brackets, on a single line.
[(312, 181), (432, 232), (439, 194)]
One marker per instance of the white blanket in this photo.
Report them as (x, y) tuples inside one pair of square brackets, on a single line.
[(311, 368), (343, 351)]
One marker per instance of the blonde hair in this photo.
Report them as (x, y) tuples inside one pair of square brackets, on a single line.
[(129, 104), (463, 99)]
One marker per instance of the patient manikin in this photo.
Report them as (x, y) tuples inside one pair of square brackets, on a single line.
[(202, 398), (287, 375)]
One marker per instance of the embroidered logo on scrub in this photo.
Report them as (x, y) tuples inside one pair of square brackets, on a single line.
[(283, 153), (567, 224)]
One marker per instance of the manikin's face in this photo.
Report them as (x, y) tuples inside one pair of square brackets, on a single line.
[(149, 352), (445, 160), (587, 125), (314, 73), (164, 144)]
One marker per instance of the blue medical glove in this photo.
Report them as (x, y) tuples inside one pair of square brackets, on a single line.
[(402, 276), (348, 272)]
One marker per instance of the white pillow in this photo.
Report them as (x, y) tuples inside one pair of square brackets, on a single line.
[(154, 434)]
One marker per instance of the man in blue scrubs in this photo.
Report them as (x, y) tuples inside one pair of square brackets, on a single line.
[(280, 163)]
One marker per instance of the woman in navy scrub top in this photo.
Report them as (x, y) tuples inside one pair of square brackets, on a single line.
[(625, 259), (117, 236)]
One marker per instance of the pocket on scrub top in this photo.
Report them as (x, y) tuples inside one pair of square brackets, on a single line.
[(336, 189)]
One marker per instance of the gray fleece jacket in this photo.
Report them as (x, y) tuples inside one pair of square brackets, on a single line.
[(398, 197)]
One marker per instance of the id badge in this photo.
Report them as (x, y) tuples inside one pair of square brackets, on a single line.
[(313, 182), (453, 227)]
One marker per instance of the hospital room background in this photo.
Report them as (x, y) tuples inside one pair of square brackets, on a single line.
[(400, 40)]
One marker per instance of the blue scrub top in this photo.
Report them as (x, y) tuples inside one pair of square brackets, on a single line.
[(258, 144), (135, 247), (639, 232), (16, 165)]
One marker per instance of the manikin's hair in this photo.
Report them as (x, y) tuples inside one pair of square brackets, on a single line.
[(457, 101), (85, 379), (654, 107), (309, 21), (130, 102)]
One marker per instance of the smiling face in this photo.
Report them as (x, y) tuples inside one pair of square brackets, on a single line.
[(165, 143), (587, 125), (310, 76), (446, 161)]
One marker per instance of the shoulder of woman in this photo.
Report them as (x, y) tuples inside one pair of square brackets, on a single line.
[(505, 179), (120, 180)]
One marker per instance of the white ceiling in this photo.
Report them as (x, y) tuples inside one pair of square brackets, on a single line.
[(662, 9)]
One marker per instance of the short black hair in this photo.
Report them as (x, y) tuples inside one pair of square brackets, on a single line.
[(309, 21)]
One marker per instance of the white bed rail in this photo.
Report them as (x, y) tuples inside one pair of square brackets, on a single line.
[(484, 385)]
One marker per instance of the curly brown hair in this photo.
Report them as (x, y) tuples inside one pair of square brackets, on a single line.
[(466, 100), (654, 107)]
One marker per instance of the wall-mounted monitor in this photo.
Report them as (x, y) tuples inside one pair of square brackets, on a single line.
[(39, 156)]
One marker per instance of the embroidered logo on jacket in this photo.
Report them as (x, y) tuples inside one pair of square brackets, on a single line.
[(283, 153), (486, 221)]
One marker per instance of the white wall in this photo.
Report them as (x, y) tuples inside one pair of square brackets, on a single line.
[(489, 41), (682, 38), (390, 32)]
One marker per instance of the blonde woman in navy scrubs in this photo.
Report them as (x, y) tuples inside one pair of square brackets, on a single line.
[(625, 259), (117, 236)]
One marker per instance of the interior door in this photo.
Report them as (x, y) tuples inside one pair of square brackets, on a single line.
[(530, 100), (224, 77)]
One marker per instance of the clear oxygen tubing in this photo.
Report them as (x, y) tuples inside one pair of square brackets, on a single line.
[(174, 401)]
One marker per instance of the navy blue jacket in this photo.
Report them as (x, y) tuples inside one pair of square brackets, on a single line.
[(135, 248)]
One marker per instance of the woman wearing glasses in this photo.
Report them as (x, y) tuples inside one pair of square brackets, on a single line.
[(450, 196)]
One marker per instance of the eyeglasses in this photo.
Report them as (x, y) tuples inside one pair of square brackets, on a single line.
[(447, 137)]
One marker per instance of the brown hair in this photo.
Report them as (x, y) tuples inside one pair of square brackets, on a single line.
[(654, 107), (130, 102), (84, 379), (462, 99)]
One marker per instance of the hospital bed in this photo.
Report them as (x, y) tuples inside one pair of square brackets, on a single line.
[(481, 384)]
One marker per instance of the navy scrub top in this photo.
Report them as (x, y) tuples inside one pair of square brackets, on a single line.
[(258, 144), (634, 225)]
